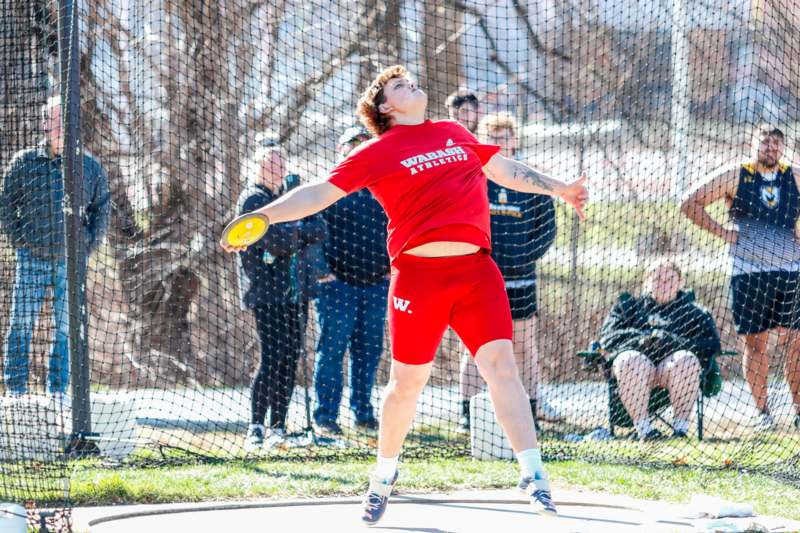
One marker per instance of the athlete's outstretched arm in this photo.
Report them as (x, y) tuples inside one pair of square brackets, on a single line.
[(520, 177), (298, 203), (720, 185)]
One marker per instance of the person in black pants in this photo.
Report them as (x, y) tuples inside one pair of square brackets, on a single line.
[(268, 285)]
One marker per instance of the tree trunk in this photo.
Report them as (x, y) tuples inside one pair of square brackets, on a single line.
[(441, 52), (23, 75)]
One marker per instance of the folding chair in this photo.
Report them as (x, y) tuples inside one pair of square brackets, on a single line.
[(710, 385)]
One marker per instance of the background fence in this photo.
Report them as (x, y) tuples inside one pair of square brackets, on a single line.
[(176, 95)]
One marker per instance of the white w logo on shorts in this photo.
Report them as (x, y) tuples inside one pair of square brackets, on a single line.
[(400, 304)]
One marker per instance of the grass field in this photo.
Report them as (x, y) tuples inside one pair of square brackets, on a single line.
[(95, 485)]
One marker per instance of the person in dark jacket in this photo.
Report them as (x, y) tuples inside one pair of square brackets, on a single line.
[(659, 340), (352, 302), (269, 286), (32, 218), (523, 229)]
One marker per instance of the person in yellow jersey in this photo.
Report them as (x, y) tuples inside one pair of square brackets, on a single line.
[(764, 204)]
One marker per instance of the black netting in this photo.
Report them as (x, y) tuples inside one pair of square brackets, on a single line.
[(193, 112)]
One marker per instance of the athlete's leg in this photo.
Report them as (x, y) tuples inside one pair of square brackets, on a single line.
[(791, 365), (470, 383), (495, 360), (400, 404), (526, 355), (756, 367)]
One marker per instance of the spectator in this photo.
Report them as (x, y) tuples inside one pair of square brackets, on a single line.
[(523, 229), (464, 107), (32, 216), (352, 302), (764, 201), (659, 340), (269, 286)]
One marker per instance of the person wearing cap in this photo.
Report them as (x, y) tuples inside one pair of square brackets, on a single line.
[(351, 302), (463, 107)]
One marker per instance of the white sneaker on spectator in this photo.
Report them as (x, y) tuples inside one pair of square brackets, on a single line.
[(276, 438), (764, 422), (546, 412)]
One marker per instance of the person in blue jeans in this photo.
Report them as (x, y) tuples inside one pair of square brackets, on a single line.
[(32, 218), (351, 302)]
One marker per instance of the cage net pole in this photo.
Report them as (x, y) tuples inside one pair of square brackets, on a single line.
[(75, 213)]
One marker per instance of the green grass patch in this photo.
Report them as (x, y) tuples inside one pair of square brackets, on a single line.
[(93, 485), (629, 225)]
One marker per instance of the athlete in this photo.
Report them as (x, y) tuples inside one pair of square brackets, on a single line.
[(430, 178), (764, 203)]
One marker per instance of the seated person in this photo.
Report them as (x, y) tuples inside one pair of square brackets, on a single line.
[(659, 340)]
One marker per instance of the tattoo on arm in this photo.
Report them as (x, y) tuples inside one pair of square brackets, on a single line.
[(523, 173)]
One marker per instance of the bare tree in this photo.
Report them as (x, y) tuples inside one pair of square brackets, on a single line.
[(176, 296), (441, 53), (25, 38)]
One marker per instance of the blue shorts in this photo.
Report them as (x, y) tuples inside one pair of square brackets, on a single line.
[(765, 300)]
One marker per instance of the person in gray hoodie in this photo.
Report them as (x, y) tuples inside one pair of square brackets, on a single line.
[(32, 219)]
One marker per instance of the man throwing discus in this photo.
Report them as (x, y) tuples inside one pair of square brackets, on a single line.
[(431, 180)]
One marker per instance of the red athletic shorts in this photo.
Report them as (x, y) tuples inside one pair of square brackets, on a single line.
[(426, 294)]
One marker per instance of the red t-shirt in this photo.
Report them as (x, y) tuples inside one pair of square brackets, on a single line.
[(426, 177)]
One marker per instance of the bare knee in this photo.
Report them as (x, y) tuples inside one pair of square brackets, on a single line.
[(631, 363), (497, 366), (685, 361), (407, 381)]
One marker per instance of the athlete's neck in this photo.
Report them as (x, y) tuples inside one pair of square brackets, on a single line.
[(410, 119)]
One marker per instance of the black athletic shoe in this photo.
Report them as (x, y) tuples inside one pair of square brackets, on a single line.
[(376, 499), (653, 434), (331, 427), (368, 424), (463, 421), (679, 434)]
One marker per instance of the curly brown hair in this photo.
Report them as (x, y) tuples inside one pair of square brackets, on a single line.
[(372, 97)]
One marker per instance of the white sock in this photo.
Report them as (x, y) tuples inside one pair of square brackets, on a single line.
[(386, 467), (530, 463), (642, 427), (681, 425)]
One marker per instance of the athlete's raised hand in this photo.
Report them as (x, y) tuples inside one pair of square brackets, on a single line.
[(576, 194)]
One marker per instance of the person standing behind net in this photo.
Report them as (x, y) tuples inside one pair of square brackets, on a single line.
[(268, 286), (764, 203), (463, 106), (523, 229), (352, 302), (658, 340), (32, 217), (430, 178)]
